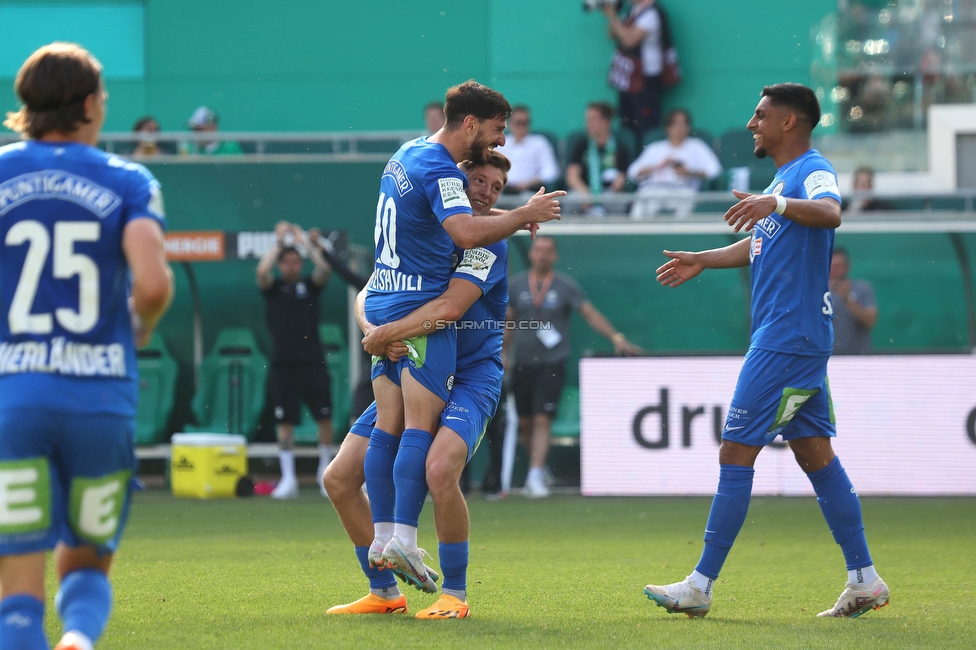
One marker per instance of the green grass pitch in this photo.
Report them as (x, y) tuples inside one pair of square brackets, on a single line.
[(567, 572)]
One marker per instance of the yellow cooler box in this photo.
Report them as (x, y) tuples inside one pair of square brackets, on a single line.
[(207, 465)]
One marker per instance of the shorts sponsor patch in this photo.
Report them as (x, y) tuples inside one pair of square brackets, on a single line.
[(477, 262), (25, 497), (452, 193), (96, 506), (821, 182)]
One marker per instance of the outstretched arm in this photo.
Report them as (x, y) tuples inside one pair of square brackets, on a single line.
[(469, 231), (812, 213), (684, 266), (600, 323)]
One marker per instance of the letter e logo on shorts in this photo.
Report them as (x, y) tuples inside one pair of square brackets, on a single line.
[(96, 506), (789, 405), (25, 496)]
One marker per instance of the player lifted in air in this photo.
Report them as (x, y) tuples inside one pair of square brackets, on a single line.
[(782, 389), (422, 213), (476, 298), (83, 280)]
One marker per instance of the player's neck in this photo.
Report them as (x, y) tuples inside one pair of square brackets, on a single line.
[(790, 152), (83, 136), (454, 141)]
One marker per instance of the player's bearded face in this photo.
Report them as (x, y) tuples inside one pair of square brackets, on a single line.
[(480, 146)]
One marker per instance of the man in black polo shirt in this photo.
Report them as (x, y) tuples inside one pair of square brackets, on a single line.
[(298, 372)]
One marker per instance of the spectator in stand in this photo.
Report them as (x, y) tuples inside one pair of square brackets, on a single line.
[(147, 128), (598, 163), (855, 311), (533, 160), (433, 117), (645, 36), (864, 182), (669, 172), (206, 120)]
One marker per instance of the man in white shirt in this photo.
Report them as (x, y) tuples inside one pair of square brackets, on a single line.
[(669, 172), (533, 160)]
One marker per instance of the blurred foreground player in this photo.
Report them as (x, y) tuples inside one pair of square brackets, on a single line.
[(83, 280), (782, 389), (476, 295)]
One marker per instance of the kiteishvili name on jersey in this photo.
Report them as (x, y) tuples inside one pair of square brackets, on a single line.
[(391, 280), (63, 358)]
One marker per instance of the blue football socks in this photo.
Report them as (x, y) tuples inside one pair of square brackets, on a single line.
[(84, 602), (728, 513), (454, 565), (378, 468), (22, 623), (410, 476), (842, 510), (381, 583)]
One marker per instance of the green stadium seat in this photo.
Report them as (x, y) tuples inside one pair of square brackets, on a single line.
[(157, 384), (230, 395), (337, 360), (736, 149), (567, 422)]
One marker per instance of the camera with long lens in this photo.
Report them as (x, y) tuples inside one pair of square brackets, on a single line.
[(590, 5)]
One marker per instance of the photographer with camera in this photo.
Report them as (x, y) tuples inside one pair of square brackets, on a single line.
[(644, 63)]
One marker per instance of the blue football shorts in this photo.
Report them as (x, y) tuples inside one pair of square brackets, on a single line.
[(470, 408), (64, 478), (431, 359), (780, 394)]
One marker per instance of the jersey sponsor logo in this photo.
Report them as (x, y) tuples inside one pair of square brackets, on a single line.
[(388, 280), (477, 262), (769, 226), (51, 184), (452, 193), (396, 171), (63, 357), (820, 182)]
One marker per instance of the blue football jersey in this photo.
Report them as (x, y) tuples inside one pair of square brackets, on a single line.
[(791, 309), (420, 187), (66, 339), (480, 330)]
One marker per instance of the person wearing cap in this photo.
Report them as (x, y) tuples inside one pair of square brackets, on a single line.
[(203, 120)]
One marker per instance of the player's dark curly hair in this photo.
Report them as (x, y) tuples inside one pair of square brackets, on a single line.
[(53, 85), (492, 159), (796, 97), (473, 98)]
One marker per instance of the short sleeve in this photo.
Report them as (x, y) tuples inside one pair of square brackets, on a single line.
[(145, 197), (575, 296), (864, 294), (483, 266), (445, 188), (818, 181), (648, 22)]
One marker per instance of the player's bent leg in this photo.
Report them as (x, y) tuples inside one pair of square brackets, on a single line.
[(22, 603), (84, 598), (343, 480), (378, 465), (327, 452), (841, 507)]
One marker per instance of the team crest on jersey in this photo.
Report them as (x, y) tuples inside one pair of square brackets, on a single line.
[(756, 246), (396, 171), (778, 188)]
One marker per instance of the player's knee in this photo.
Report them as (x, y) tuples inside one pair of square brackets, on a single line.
[(341, 478), (442, 474)]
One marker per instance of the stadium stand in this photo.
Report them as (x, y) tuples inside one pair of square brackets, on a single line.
[(231, 391), (157, 383)]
